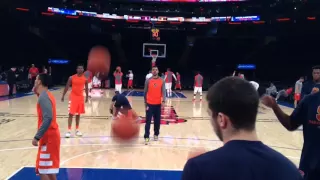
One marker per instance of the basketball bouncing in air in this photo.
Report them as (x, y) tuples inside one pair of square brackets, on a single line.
[(99, 60), (125, 128)]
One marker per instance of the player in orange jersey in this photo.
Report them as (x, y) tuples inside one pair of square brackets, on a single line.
[(48, 134), (76, 99)]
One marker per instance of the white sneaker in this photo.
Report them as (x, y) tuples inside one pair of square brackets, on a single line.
[(68, 134), (78, 133)]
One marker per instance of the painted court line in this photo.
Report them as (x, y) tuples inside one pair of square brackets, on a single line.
[(14, 173), (84, 167), (129, 92), (176, 94)]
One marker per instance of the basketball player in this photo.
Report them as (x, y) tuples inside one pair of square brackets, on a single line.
[(118, 79), (178, 82), (130, 80), (271, 90), (48, 134), (120, 105), (306, 114), (284, 92), (168, 80), (308, 87), (154, 96), (233, 107), (198, 81), (297, 91), (76, 99)]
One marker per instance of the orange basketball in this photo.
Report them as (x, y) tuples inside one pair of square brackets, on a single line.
[(125, 129), (196, 152), (99, 60)]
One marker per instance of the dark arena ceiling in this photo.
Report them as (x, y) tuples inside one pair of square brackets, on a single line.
[(195, 17)]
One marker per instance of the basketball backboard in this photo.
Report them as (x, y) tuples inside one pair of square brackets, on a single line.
[(153, 48)]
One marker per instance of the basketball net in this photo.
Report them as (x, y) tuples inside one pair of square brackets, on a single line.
[(154, 59)]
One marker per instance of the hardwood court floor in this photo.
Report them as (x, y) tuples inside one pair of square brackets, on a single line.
[(97, 149)]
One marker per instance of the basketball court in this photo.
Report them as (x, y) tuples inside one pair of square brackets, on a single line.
[(185, 125)]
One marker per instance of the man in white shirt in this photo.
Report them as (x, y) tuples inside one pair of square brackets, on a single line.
[(148, 75)]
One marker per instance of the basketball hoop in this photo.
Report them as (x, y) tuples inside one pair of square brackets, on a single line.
[(154, 57)]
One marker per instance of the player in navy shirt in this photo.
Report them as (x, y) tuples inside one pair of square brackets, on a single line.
[(233, 107), (306, 114), (119, 103), (307, 87)]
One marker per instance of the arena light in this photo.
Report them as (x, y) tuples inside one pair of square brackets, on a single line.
[(47, 14), (154, 19), (234, 23), (58, 61), (22, 9), (258, 22), (283, 19), (246, 66), (311, 18), (72, 17)]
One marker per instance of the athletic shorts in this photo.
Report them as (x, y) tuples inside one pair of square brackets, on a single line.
[(197, 90), (48, 157), (130, 83), (76, 106), (178, 85), (297, 96), (168, 85)]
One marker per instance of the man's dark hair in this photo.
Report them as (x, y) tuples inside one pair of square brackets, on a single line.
[(80, 65), (237, 99), (302, 77), (168, 69), (117, 92), (154, 67), (44, 78), (316, 67)]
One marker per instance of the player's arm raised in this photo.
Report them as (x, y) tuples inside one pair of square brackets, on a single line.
[(291, 122), (46, 108), (66, 88)]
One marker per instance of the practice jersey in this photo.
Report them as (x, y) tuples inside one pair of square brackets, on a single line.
[(77, 84), (154, 91), (130, 76), (198, 80), (118, 77), (47, 122), (168, 77)]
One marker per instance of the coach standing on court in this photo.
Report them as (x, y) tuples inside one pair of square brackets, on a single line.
[(154, 95)]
